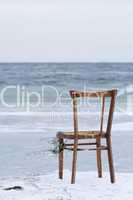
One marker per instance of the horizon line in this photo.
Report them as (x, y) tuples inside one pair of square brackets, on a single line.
[(68, 62)]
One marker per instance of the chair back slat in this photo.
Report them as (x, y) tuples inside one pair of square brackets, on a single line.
[(102, 113), (75, 117)]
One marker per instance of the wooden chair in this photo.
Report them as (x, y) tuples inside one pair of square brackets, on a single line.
[(97, 136)]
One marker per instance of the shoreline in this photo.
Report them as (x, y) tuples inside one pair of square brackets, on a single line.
[(88, 186)]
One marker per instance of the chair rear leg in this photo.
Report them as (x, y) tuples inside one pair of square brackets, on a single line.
[(61, 158), (110, 160), (99, 159)]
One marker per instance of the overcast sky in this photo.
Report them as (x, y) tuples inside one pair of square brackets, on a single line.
[(66, 30)]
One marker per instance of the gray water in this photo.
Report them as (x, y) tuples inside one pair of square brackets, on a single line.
[(26, 138), (68, 75)]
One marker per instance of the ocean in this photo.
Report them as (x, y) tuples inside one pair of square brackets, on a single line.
[(35, 105), (67, 75)]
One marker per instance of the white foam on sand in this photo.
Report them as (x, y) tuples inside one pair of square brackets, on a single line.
[(88, 186)]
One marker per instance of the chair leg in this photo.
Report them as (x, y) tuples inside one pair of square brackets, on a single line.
[(61, 158), (110, 160), (74, 162), (99, 159)]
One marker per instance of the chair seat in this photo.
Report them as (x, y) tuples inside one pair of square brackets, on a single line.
[(81, 135)]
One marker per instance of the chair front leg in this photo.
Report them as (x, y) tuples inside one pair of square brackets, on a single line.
[(74, 162)]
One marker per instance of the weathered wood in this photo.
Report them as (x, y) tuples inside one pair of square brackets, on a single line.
[(92, 143), (110, 160), (108, 140), (99, 159), (102, 114), (76, 135), (92, 94), (75, 122), (82, 134), (61, 157), (111, 111), (87, 149)]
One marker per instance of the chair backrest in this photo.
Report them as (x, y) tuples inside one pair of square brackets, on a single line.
[(102, 95)]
